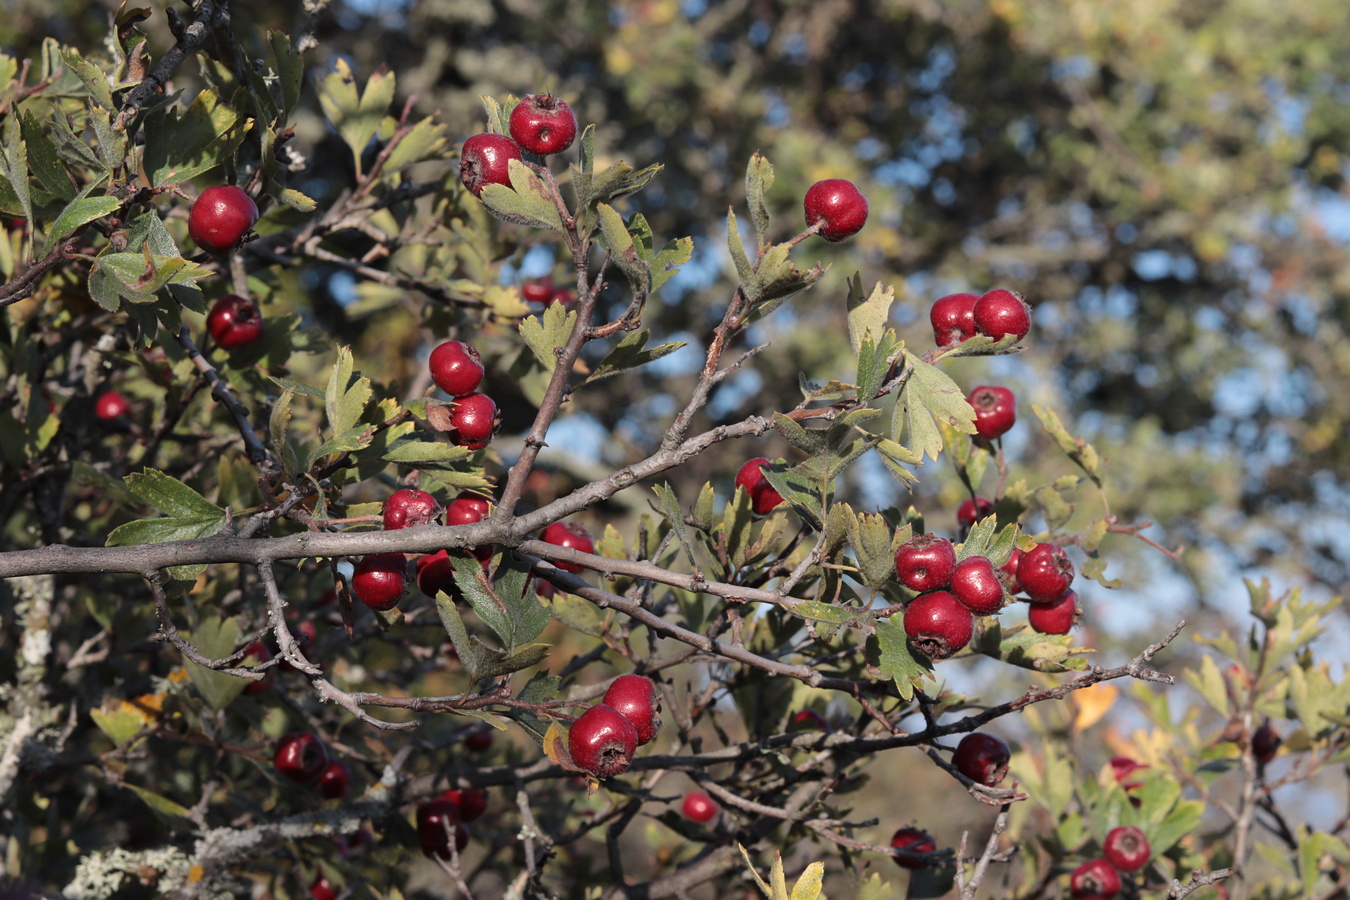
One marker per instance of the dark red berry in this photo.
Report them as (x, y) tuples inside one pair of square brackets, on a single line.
[(953, 318), (982, 758), (466, 509), (763, 498), (379, 580), (809, 720), (976, 584), (221, 217), (1126, 848), (473, 421), (537, 290), (472, 802), (322, 888), (570, 535), (838, 206), (1000, 313), (1007, 573), (698, 807), (407, 507), (435, 573), (1057, 617), (111, 405), (1123, 767), (925, 563), (563, 296), (300, 757), (234, 322), (602, 741), (995, 411), (912, 843), (1265, 743), (456, 368), (938, 624), (1095, 878), (258, 653), (1045, 573), (486, 159), (543, 124), (478, 741), (635, 697), (334, 780), (437, 820), (973, 510)]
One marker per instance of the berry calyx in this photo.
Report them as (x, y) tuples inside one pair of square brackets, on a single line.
[(1057, 617), (473, 421), (258, 653), (543, 124), (972, 510), (912, 842), (763, 498), (408, 507), (636, 699), (953, 318), (938, 624), (1095, 878), (111, 405), (379, 580), (976, 584), (456, 368), (334, 780), (1045, 573), (486, 159), (925, 563), (999, 313), (1126, 848), (301, 757), (220, 218), (838, 206), (1265, 743), (321, 888), (437, 821), (995, 411), (472, 802), (982, 758), (698, 807), (234, 322), (602, 741), (570, 535)]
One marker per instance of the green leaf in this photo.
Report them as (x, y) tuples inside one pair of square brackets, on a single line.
[(870, 536), (819, 611), (630, 353), (79, 211), (505, 604), (895, 660), (526, 202), (178, 148), (277, 426), (776, 278), (472, 655), (744, 271), (169, 495), (867, 316), (215, 638), (540, 688), (1028, 649), (426, 140), (810, 882), (758, 182), (928, 394), (1210, 685), (425, 454), (346, 401), (159, 804), (804, 488), (875, 357), (1077, 449), (670, 508), (356, 118), (43, 160), (121, 725), (549, 333)]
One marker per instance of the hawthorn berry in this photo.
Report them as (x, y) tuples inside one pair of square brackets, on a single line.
[(1045, 573), (301, 757), (1094, 878), (925, 563), (435, 573), (220, 218), (486, 159), (972, 510), (472, 802), (982, 758), (1122, 767), (635, 697), (698, 807), (379, 580), (563, 296), (976, 584), (234, 322), (602, 741), (408, 507), (334, 780), (456, 368), (995, 411), (572, 536), (838, 206), (473, 421), (1126, 848), (543, 124), (1057, 617), (111, 405), (537, 290), (321, 888), (1265, 743), (953, 318), (763, 497), (999, 313), (478, 741), (809, 720), (1007, 573), (911, 842), (437, 820), (258, 653), (938, 624), (466, 509)]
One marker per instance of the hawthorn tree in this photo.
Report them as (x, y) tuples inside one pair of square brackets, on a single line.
[(223, 676)]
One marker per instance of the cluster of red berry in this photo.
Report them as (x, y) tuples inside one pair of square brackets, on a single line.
[(541, 124), (604, 738), (303, 758)]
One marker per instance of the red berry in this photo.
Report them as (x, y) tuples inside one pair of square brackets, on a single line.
[(1126, 848), (234, 322), (456, 368), (1045, 573), (258, 653), (472, 802), (977, 585), (408, 507), (486, 159), (698, 807), (982, 758), (635, 698), (925, 563), (435, 573), (543, 124), (466, 509), (1007, 573), (838, 205), (563, 296), (322, 888), (763, 498), (1000, 313), (111, 405), (911, 841), (1123, 767), (437, 820), (995, 411), (809, 720), (1095, 878), (1057, 617), (602, 741), (300, 757), (537, 290), (570, 535), (938, 624), (221, 217), (473, 421), (334, 780), (379, 580), (1265, 743), (973, 510), (478, 741), (953, 318)]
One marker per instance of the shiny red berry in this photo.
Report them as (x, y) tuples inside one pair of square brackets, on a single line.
[(379, 580), (698, 807), (635, 697), (1057, 617), (973, 510), (456, 368), (1126, 848), (982, 758), (486, 159), (912, 842), (466, 509), (838, 206), (938, 624), (473, 421), (221, 217), (234, 322), (472, 802), (763, 498), (1045, 573), (570, 535), (976, 584), (537, 290), (953, 318), (543, 124), (602, 741), (111, 405), (995, 411), (1095, 878), (999, 313), (300, 757), (334, 780), (925, 563), (321, 888), (407, 507), (437, 821), (435, 573)]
